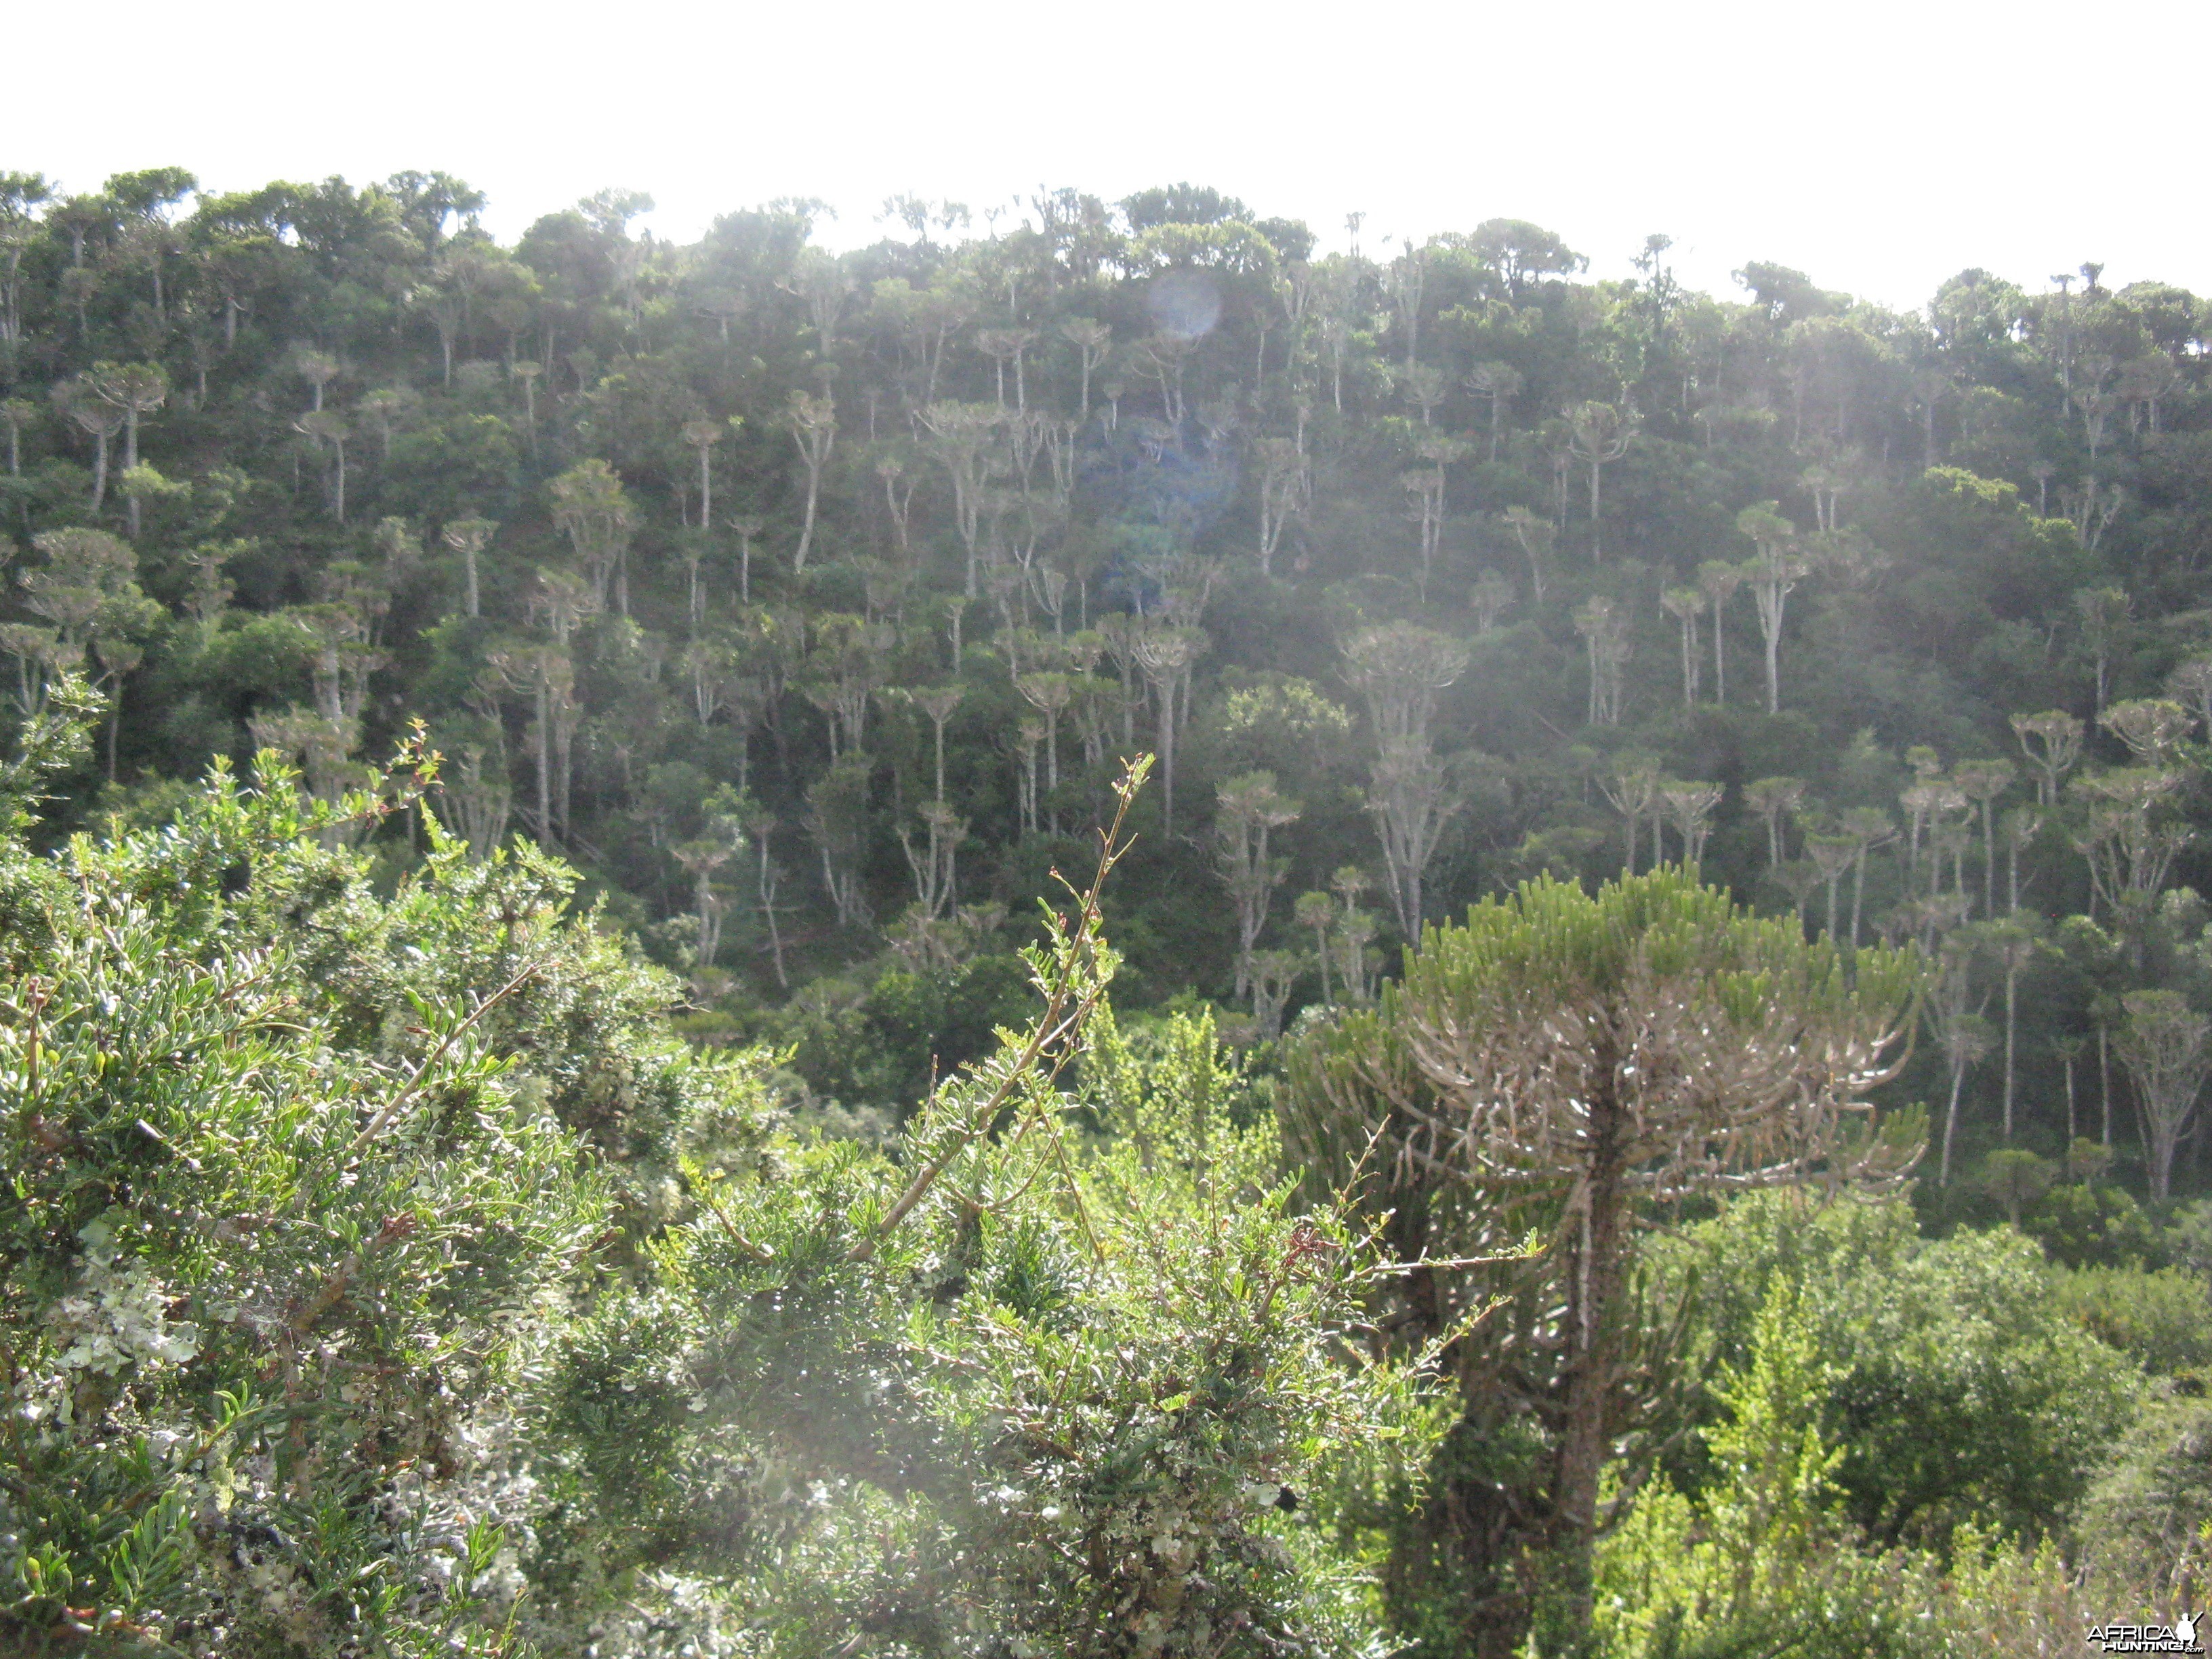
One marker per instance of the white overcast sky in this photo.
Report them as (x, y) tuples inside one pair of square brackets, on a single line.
[(1879, 145)]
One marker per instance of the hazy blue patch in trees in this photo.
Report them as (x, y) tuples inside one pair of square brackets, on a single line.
[(1184, 305), (1268, 627), (1171, 494), (1367, 597), (2174, 478), (2001, 435), (194, 728)]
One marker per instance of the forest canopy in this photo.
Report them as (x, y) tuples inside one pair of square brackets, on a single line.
[(567, 1088)]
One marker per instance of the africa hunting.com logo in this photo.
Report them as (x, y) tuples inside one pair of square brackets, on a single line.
[(2180, 1636)]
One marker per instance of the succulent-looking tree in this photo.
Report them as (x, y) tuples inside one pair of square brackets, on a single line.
[(469, 538), (1599, 433), (1718, 580), (2057, 737), (1773, 573), (2015, 1177), (137, 390), (2103, 612), (317, 368), (2153, 728), (2167, 1046), (1604, 626), (1092, 341), (1246, 808), (1981, 782), (1425, 506), (1410, 799), (117, 657), (701, 860), (1537, 537), (1491, 598), (1317, 911), (1831, 855), (1632, 787), (812, 421), (1399, 669), (1690, 805), (2129, 834), (702, 434), (1165, 653), (85, 589), (1868, 826), (2191, 683), (15, 414), (745, 526), (1559, 1061), (837, 811), (1286, 488), (1774, 799), (2013, 944), (1685, 605), (1500, 383), (328, 426), (78, 400), (1962, 1036), (592, 509)]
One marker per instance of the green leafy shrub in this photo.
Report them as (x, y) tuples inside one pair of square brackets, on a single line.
[(2085, 1225), (2163, 1319), (2146, 1516), (1958, 1388), (383, 1276)]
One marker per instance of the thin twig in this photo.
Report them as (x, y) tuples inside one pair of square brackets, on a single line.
[(1077, 952), (378, 1124)]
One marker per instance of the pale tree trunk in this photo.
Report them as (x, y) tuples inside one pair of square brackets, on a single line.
[(1951, 1124), (544, 767), (2012, 1028), (2105, 1081), (1597, 530), (1166, 698)]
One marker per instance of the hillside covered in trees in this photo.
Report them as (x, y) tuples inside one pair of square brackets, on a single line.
[(803, 611)]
